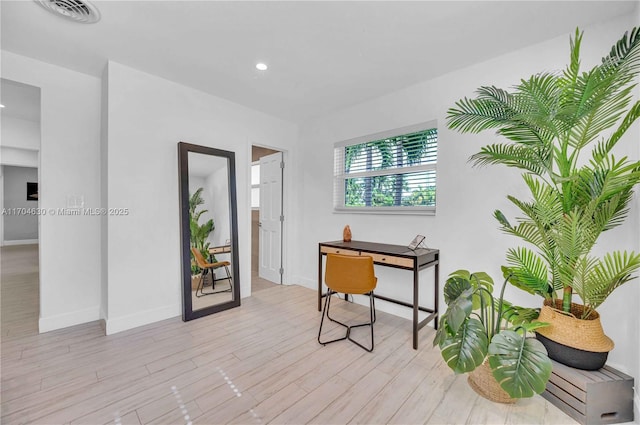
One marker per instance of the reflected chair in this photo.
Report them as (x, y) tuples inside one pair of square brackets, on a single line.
[(207, 268), (349, 274)]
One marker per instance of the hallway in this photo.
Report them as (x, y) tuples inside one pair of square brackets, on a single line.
[(19, 295)]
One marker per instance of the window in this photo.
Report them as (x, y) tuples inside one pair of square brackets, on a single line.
[(255, 185), (392, 172)]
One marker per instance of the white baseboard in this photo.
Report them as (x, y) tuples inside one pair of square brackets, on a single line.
[(130, 321), (59, 321), (20, 242)]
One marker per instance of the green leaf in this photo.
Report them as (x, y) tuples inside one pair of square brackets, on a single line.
[(519, 364), (467, 349), (532, 159), (530, 327), (454, 287), (519, 316), (463, 274), (527, 271), (441, 333), (502, 219), (481, 298), (199, 232), (602, 277), (459, 309), (482, 280)]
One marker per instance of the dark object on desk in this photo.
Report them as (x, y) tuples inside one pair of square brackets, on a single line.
[(415, 243), (396, 256), (349, 274), (346, 234)]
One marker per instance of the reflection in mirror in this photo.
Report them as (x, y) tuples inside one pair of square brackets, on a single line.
[(209, 230), (211, 280)]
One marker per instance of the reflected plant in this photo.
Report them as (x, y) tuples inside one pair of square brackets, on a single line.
[(199, 232)]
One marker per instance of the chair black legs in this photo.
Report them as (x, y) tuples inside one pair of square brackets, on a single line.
[(201, 284), (372, 320), (200, 287)]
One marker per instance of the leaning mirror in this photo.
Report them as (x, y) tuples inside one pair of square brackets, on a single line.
[(209, 230)]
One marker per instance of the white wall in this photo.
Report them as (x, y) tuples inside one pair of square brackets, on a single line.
[(19, 226), (19, 157), (463, 228), (217, 185), (215, 195), (19, 133), (147, 117), (104, 192), (69, 165)]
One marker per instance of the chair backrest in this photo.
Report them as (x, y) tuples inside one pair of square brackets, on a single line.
[(350, 274), (200, 261)]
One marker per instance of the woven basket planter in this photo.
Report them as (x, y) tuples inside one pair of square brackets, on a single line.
[(195, 280), (587, 345), (483, 382)]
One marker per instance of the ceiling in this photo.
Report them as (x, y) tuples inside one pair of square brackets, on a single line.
[(322, 55)]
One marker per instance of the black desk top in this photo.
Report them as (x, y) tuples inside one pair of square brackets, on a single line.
[(382, 248)]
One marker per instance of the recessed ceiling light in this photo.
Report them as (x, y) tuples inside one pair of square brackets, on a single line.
[(1, 105), (261, 66)]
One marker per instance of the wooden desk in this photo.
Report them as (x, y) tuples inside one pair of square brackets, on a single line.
[(219, 249), (396, 256)]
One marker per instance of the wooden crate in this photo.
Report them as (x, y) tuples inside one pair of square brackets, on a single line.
[(603, 396)]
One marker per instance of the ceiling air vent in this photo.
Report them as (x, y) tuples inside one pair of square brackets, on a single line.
[(75, 10)]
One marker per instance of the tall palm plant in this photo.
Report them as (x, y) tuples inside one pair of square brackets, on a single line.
[(551, 121)]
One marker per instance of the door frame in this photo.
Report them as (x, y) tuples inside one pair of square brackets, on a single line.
[(286, 205)]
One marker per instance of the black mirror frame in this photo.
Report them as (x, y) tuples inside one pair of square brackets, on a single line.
[(185, 233)]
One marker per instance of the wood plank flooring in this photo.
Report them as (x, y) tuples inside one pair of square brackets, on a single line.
[(256, 364)]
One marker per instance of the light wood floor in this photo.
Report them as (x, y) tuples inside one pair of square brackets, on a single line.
[(19, 291), (259, 363), (260, 284)]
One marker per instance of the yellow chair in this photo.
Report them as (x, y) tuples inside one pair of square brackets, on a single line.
[(207, 267), (349, 274)]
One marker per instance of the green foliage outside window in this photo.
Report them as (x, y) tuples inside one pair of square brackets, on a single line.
[(409, 187)]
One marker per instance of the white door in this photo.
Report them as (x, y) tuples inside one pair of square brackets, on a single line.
[(271, 218)]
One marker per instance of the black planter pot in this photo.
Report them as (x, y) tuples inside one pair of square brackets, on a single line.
[(573, 357)]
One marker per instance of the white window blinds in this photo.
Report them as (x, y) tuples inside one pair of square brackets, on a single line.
[(391, 172)]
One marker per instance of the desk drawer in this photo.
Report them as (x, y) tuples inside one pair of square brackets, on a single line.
[(391, 260), (220, 250), (331, 250)]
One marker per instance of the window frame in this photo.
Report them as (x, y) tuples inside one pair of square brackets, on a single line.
[(340, 177), (254, 185)]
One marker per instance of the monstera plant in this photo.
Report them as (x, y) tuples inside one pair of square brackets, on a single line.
[(561, 131), (479, 329)]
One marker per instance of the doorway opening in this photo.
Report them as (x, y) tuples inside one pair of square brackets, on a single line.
[(267, 218), (19, 203)]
